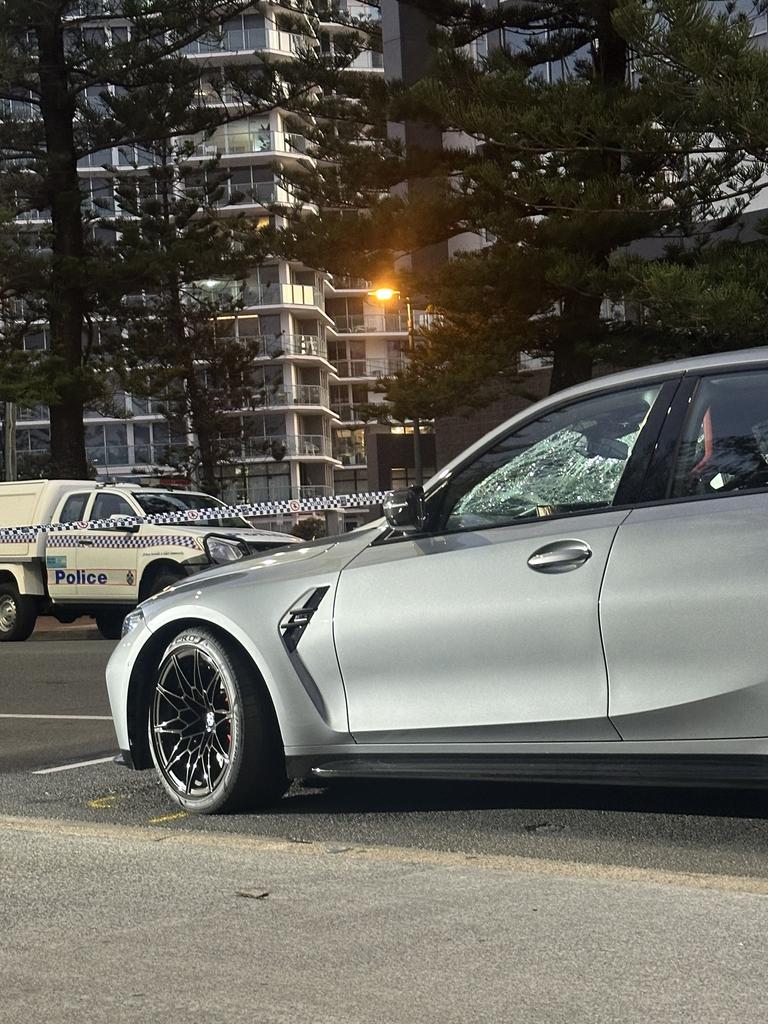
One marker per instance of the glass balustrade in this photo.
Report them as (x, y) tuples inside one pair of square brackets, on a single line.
[(246, 40), (298, 445)]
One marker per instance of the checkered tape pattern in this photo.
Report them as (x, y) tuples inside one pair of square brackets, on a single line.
[(27, 534), (65, 540)]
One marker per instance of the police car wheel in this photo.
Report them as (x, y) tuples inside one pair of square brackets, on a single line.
[(213, 733), (110, 624), (18, 613)]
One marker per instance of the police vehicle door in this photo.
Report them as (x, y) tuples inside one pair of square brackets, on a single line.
[(106, 557), (61, 548)]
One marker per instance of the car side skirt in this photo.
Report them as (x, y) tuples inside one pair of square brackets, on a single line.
[(627, 770)]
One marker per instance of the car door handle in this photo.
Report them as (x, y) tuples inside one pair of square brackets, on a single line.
[(562, 556), (85, 542)]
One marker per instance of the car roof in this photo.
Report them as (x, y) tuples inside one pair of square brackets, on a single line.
[(643, 374)]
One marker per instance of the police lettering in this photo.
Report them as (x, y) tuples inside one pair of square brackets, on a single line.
[(80, 576)]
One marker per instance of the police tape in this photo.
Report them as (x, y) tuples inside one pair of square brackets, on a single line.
[(197, 516)]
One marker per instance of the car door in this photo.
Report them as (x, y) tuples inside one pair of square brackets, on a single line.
[(61, 549), (685, 599), (107, 557), (485, 627)]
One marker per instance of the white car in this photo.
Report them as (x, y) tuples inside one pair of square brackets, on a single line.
[(581, 595)]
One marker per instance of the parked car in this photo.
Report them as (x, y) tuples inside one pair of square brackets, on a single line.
[(581, 595), (103, 563)]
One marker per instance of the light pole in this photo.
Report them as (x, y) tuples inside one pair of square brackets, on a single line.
[(386, 295)]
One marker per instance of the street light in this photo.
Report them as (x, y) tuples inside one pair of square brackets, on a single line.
[(386, 295)]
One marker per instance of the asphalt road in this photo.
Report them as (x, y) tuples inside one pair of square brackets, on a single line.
[(382, 903), (703, 831)]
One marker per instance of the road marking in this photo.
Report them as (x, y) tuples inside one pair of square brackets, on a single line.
[(168, 817), (79, 764), (66, 718), (101, 802)]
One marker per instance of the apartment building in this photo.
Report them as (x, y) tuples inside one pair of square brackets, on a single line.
[(320, 344)]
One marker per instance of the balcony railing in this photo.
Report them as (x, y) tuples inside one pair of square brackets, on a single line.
[(349, 413), (258, 194), (367, 368), (298, 445), (259, 141), (350, 456), (246, 40), (301, 394), (381, 323), (284, 492), (281, 295), (348, 283), (275, 346)]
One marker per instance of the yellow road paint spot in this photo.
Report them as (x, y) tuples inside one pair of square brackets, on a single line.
[(168, 817), (102, 802)]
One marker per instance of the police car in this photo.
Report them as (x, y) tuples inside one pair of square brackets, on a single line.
[(104, 563)]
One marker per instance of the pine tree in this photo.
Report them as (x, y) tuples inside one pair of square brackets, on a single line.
[(590, 126), (76, 82)]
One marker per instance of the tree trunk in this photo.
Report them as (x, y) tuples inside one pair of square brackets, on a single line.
[(67, 303), (197, 402), (580, 326), (579, 332)]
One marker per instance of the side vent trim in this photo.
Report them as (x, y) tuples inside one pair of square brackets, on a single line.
[(297, 618)]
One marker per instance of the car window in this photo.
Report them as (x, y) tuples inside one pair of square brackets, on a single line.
[(724, 446), (570, 460), (107, 505), (160, 502), (74, 508)]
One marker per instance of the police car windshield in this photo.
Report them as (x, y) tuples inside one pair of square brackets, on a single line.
[(156, 503)]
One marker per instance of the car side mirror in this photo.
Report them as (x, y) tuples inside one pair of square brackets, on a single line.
[(404, 510), (118, 523)]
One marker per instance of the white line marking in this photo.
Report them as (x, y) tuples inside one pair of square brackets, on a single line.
[(80, 764), (67, 718)]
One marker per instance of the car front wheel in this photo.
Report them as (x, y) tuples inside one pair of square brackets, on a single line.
[(213, 734)]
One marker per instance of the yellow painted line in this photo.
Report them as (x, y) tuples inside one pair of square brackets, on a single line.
[(102, 802), (168, 817)]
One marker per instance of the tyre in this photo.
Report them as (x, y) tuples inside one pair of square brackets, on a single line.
[(110, 623), (213, 734), (18, 613), (155, 582)]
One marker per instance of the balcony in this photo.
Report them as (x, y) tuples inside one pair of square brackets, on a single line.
[(349, 456), (258, 194), (248, 142), (350, 413), (275, 346), (367, 369), (246, 41), (283, 492), (290, 445), (302, 394), (281, 295), (350, 283), (376, 323)]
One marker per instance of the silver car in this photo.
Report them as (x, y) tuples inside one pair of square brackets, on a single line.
[(583, 594)]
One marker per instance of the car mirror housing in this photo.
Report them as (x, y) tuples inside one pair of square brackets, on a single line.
[(404, 510)]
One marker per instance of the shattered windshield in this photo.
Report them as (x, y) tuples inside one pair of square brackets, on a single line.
[(570, 459)]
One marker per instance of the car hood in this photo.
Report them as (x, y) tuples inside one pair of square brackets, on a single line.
[(238, 533), (328, 554)]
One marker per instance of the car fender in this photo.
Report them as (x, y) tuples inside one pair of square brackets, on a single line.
[(26, 575), (302, 718)]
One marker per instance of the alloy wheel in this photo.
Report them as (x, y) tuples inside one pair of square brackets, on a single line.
[(193, 725), (8, 613)]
